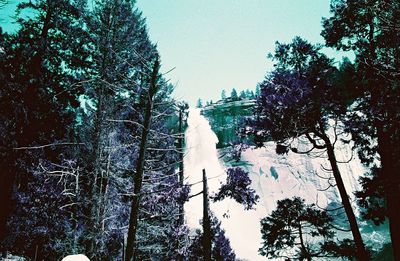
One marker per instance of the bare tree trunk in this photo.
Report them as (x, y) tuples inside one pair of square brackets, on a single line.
[(133, 220), (206, 221), (95, 170), (8, 178), (181, 177), (361, 252)]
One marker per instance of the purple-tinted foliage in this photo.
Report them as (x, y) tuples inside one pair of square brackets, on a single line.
[(283, 105), (37, 219), (174, 193), (178, 244), (296, 98), (238, 187), (221, 247), (181, 194)]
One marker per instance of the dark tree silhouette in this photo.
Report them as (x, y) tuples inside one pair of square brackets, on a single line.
[(295, 230), (298, 101), (368, 28)]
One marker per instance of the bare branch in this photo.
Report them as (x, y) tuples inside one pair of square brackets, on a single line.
[(49, 145), (192, 196)]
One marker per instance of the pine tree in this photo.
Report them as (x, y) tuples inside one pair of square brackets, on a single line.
[(84, 151), (297, 100), (292, 229), (257, 91), (43, 60), (234, 95), (199, 103), (367, 28), (223, 95), (242, 95)]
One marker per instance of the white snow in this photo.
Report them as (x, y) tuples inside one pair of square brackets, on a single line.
[(79, 257), (242, 227), (273, 176)]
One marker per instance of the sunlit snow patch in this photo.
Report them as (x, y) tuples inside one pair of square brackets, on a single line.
[(79, 257)]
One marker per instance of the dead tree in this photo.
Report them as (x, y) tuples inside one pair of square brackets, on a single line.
[(138, 178), (206, 221)]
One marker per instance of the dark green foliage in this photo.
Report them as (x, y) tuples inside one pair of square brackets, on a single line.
[(343, 248), (298, 100), (257, 91), (234, 95), (385, 254), (225, 117), (199, 103), (242, 95), (296, 230), (368, 28), (42, 61), (371, 198), (70, 182), (223, 95)]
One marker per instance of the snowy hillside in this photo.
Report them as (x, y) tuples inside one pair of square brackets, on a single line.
[(273, 176)]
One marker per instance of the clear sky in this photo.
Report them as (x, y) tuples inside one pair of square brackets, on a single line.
[(223, 44)]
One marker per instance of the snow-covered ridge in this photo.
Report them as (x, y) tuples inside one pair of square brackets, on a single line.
[(274, 177)]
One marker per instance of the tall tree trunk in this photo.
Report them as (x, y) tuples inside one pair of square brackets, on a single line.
[(181, 177), (94, 170), (303, 247), (8, 176), (361, 252), (392, 187), (392, 202), (206, 221), (133, 220)]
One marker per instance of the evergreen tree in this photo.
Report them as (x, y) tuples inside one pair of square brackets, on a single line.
[(368, 28), (234, 95), (43, 64), (249, 94), (199, 103), (298, 100), (81, 156), (115, 27), (257, 93), (223, 95), (292, 229), (242, 95)]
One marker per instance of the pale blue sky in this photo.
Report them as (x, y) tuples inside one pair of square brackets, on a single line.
[(223, 44)]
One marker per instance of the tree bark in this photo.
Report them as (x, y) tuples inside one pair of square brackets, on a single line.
[(361, 252), (94, 170), (180, 148), (138, 178), (206, 221), (8, 176), (303, 247), (392, 187)]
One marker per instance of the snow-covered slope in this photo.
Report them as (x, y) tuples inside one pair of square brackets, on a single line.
[(242, 227), (273, 176)]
